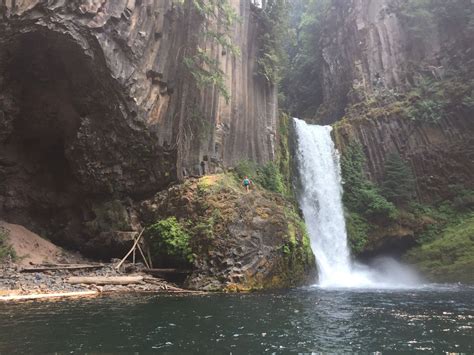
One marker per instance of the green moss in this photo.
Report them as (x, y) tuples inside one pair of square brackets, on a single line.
[(298, 244), (450, 257), (267, 176), (428, 102), (6, 249)]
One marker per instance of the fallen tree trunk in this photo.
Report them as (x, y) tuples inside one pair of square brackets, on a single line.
[(59, 267), (105, 280), (166, 271)]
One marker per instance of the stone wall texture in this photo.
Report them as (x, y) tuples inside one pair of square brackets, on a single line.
[(97, 104)]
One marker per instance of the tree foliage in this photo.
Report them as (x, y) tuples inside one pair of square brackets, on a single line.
[(399, 183), (301, 84), (273, 29)]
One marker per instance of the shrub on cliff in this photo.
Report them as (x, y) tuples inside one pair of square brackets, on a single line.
[(399, 183), (450, 256), (169, 240), (360, 194), (6, 249)]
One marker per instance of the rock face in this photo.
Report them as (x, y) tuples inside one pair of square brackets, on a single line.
[(369, 47), (397, 77), (97, 105), (441, 155), (372, 57), (242, 241)]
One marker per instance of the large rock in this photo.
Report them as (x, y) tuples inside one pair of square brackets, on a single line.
[(251, 241)]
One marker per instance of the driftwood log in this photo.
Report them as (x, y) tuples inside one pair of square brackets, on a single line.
[(48, 295), (104, 280), (56, 267)]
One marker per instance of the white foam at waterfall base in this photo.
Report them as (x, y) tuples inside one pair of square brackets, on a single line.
[(320, 199)]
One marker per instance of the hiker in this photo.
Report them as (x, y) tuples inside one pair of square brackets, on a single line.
[(247, 182)]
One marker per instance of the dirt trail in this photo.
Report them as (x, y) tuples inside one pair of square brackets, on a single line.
[(31, 248)]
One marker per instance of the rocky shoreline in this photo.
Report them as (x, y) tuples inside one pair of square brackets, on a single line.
[(16, 280)]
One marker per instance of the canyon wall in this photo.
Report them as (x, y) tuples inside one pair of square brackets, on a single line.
[(384, 66), (366, 48), (98, 108)]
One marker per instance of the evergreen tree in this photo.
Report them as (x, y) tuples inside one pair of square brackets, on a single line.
[(399, 183)]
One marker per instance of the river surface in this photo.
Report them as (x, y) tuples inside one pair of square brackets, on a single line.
[(434, 319)]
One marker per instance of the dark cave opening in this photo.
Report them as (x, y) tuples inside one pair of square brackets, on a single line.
[(47, 86)]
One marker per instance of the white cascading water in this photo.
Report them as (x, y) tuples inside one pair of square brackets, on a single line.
[(321, 202)]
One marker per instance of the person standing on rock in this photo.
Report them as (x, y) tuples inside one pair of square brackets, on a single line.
[(247, 182)]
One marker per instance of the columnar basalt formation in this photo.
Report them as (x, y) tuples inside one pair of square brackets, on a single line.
[(441, 155), (368, 48), (371, 61), (97, 107)]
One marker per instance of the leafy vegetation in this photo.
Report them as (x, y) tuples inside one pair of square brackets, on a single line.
[(6, 250), (362, 199), (273, 27), (449, 257), (398, 185), (267, 176), (421, 17), (169, 239), (301, 85), (275, 175), (358, 229), (360, 194)]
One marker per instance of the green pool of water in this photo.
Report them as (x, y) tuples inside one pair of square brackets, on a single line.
[(435, 319)]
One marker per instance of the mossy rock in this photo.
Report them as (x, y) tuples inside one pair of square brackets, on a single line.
[(240, 241)]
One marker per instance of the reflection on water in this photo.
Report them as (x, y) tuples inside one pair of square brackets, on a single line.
[(436, 320)]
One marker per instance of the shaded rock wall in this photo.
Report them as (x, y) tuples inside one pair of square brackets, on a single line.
[(440, 155), (97, 105)]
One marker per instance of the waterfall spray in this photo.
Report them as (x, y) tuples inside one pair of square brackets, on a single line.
[(321, 202)]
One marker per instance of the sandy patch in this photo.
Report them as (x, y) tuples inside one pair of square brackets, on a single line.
[(32, 249)]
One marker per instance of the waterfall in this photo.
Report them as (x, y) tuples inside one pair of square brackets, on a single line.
[(320, 198)]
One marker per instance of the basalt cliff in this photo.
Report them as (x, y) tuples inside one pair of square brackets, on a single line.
[(104, 103), (96, 104)]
